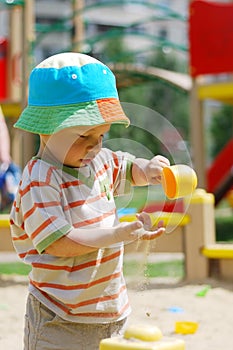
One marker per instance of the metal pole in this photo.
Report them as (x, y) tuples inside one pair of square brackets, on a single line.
[(28, 140), (78, 36)]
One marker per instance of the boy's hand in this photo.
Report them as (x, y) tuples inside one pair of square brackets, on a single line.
[(154, 169), (141, 229), (150, 231)]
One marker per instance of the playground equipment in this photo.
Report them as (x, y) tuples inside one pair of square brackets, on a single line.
[(6, 242), (191, 232), (3, 68), (203, 64)]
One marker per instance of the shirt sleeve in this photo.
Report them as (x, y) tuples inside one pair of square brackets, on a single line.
[(122, 172), (40, 205)]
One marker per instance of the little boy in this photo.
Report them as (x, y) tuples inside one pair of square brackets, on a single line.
[(64, 221)]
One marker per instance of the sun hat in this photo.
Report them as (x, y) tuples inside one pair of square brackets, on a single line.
[(70, 89)]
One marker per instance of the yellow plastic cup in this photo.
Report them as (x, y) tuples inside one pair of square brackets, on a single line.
[(178, 181)]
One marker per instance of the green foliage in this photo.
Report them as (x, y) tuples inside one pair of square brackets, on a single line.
[(156, 95), (165, 269), (159, 269), (17, 268), (167, 100), (221, 129), (224, 229), (139, 135), (115, 51)]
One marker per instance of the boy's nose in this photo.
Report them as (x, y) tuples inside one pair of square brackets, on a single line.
[(95, 146)]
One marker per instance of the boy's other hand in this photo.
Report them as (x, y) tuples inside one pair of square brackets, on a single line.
[(154, 169)]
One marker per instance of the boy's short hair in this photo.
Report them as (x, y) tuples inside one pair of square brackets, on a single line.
[(70, 89)]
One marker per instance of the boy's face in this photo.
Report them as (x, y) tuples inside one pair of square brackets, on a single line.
[(74, 147)]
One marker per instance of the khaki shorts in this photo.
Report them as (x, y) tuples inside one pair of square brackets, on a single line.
[(44, 330)]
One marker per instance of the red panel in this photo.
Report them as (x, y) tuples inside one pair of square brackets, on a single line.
[(3, 68), (210, 37), (176, 206)]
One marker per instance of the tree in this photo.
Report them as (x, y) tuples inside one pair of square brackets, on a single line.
[(221, 129), (155, 95), (166, 99)]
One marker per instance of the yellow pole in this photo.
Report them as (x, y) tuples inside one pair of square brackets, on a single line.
[(197, 135)]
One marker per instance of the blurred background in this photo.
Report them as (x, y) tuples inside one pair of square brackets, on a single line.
[(157, 51)]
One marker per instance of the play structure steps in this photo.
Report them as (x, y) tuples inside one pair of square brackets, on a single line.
[(6, 244), (218, 251), (220, 258), (4, 220)]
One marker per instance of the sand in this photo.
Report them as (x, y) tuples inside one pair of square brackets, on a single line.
[(155, 303), (163, 306)]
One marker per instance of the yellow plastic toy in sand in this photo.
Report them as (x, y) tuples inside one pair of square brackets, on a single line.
[(146, 333), (142, 337), (186, 327)]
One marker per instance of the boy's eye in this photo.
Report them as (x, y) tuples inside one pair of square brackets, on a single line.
[(84, 136)]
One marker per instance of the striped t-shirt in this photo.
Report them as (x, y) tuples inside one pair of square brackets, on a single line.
[(50, 202)]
